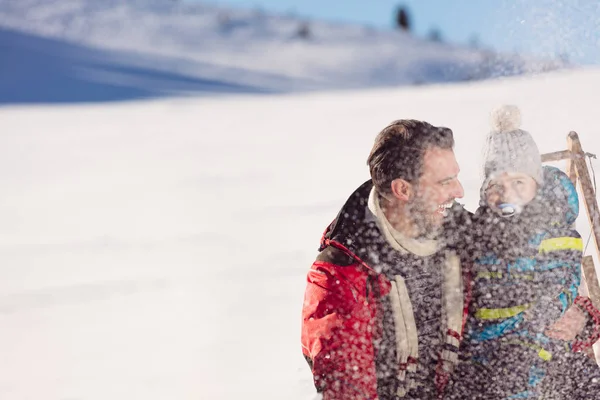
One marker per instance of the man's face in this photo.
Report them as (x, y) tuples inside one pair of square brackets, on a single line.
[(436, 189), (512, 188)]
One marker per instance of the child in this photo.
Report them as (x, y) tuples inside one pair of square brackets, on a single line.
[(525, 275)]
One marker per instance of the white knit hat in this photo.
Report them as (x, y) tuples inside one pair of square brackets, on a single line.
[(510, 149)]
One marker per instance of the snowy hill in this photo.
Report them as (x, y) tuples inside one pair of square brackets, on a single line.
[(44, 70), (158, 250), (112, 50)]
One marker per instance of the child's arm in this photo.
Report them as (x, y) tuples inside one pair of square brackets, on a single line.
[(556, 279)]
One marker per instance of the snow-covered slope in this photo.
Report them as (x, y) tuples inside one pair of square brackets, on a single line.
[(158, 250), (115, 49)]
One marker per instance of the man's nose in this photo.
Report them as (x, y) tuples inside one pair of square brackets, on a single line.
[(458, 191)]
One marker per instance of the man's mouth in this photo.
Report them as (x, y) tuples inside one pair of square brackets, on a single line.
[(443, 208)]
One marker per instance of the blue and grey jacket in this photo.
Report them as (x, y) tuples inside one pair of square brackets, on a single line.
[(526, 272)]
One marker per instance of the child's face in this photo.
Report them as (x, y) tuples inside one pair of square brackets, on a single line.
[(510, 188)]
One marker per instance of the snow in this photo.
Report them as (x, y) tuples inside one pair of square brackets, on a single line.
[(158, 249), (126, 50)]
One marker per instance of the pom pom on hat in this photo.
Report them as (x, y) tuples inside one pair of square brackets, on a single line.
[(509, 148), (506, 119)]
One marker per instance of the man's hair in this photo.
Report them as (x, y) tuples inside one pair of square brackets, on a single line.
[(399, 150)]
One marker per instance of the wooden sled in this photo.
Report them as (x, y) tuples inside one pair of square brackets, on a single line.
[(578, 172)]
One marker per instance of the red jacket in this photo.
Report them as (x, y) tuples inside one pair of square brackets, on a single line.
[(341, 315), (339, 325)]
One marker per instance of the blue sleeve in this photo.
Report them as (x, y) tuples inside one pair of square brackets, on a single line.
[(557, 277)]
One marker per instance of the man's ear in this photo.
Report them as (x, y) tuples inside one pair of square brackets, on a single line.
[(401, 189)]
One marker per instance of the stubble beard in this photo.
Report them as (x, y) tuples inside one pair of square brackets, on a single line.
[(424, 219)]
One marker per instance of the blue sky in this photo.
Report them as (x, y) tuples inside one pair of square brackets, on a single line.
[(541, 27)]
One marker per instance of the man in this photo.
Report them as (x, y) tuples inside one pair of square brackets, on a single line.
[(384, 305)]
